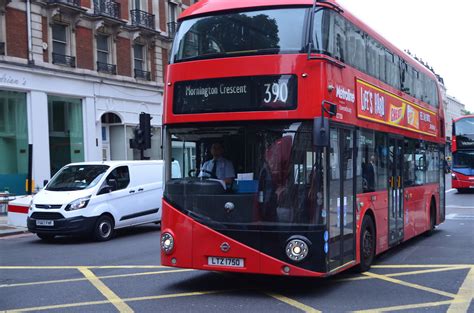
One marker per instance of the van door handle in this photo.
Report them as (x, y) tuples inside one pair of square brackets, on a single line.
[(131, 191), (140, 189)]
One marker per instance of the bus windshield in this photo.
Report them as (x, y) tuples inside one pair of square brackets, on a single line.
[(77, 177), (251, 32), (277, 175), (464, 126), (463, 159)]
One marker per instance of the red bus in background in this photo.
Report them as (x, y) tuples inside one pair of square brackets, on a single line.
[(334, 134), (463, 153)]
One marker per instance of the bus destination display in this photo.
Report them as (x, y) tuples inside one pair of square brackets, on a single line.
[(253, 93)]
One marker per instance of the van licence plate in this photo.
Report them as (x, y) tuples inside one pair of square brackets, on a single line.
[(44, 223), (227, 262)]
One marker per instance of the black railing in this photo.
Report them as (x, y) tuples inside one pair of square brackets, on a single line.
[(172, 26), (142, 74), (107, 68), (62, 59), (2, 48), (107, 8), (75, 3), (142, 19)]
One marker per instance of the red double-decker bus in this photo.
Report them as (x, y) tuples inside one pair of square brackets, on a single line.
[(463, 153), (327, 140)]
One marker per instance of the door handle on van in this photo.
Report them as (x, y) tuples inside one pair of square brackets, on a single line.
[(131, 191), (140, 189)]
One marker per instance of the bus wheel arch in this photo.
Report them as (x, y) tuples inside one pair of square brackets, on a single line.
[(367, 241), (432, 215)]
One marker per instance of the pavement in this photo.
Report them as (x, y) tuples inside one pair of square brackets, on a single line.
[(9, 230)]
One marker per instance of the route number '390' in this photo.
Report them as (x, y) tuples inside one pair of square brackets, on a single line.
[(276, 92)]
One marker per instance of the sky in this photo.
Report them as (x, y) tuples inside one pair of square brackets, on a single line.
[(439, 32)]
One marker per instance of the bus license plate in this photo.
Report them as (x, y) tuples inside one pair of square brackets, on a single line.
[(44, 223), (228, 262)]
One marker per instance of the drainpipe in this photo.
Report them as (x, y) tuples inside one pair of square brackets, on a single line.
[(28, 22)]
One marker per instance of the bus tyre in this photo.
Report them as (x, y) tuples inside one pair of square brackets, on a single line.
[(367, 244), (46, 237), (104, 228)]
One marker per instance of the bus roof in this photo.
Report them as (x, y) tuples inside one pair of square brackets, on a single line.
[(208, 6), (462, 117)]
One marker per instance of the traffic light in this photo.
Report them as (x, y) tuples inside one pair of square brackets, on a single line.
[(142, 133), (145, 128)]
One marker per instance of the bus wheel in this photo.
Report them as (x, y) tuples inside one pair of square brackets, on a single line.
[(104, 228), (46, 237), (367, 244)]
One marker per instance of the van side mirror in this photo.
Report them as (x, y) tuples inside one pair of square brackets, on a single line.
[(110, 185), (45, 182), (321, 132), (105, 189)]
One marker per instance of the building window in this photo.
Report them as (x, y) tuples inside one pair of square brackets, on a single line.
[(139, 62), (59, 39), (60, 46), (104, 56), (13, 141), (66, 132), (172, 13), (138, 59), (2, 34), (103, 49)]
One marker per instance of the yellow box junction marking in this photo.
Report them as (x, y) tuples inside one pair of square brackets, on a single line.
[(293, 303), (459, 302), (106, 291), (465, 294), (100, 277)]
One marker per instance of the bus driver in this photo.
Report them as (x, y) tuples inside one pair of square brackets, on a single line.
[(218, 167)]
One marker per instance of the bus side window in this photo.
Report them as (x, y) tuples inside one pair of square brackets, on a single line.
[(339, 49)]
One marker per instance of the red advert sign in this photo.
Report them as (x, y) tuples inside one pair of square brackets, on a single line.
[(377, 105)]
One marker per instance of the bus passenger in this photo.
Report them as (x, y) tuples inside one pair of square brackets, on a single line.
[(218, 167)]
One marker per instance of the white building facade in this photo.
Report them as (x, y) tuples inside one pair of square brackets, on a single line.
[(454, 109), (68, 118), (74, 77)]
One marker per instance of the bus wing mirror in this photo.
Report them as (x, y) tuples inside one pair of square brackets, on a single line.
[(321, 132)]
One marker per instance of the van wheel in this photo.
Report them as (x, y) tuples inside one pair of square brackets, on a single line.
[(104, 228), (47, 237), (367, 244)]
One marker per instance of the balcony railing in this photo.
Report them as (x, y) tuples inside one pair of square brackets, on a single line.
[(107, 68), (107, 8), (172, 27), (142, 19), (142, 74), (2, 48), (74, 3), (62, 59)]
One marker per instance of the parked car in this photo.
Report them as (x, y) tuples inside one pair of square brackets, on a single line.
[(96, 198)]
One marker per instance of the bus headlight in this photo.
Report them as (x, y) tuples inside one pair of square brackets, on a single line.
[(297, 249), (167, 243), (453, 176)]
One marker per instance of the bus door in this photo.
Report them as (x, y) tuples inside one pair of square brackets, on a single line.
[(341, 181), (395, 190)]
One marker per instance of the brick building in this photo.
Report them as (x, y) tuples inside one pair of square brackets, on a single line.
[(74, 77)]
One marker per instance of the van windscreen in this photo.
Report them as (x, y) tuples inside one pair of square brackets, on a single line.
[(77, 177)]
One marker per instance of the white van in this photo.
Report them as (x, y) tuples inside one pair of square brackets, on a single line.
[(95, 198)]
